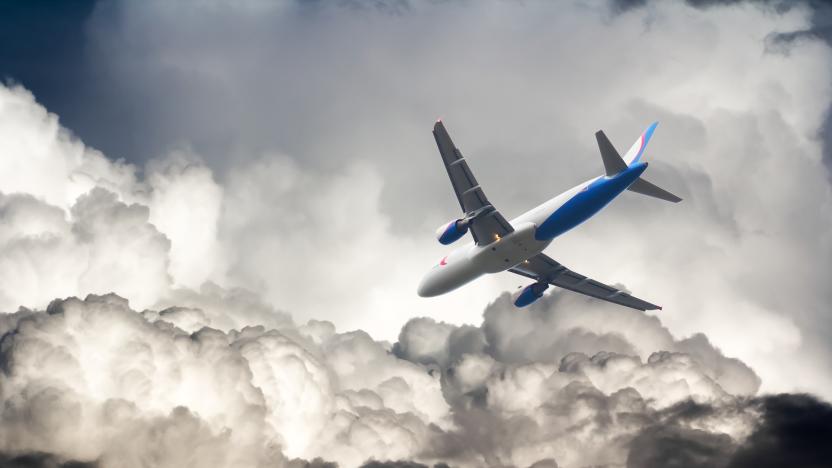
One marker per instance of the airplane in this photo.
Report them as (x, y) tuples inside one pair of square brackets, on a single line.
[(517, 245)]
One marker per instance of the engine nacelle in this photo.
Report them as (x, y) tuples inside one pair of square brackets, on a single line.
[(452, 232), (530, 294)]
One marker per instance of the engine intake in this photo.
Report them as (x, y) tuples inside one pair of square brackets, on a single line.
[(530, 294), (452, 232)]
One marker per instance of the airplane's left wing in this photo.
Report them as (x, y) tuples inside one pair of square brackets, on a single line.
[(543, 268), (488, 224)]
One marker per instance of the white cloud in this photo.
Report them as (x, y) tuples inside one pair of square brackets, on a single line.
[(185, 203), (94, 380)]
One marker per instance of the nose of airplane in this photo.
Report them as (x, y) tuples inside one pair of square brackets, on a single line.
[(427, 287)]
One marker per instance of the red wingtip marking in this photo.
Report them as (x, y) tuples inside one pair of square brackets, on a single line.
[(439, 120)]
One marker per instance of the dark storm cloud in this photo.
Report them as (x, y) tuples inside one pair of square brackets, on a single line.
[(779, 5), (40, 460), (794, 430), (674, 446), (620, 6)]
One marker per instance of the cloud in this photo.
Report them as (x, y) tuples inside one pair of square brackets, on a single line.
[(789, 426), (93, 380), (549, 333), (519, 405), (314, 150), (680, 447), (40, 460), (181, 228), (108, 245)]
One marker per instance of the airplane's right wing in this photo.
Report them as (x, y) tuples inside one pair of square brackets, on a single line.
[(543, 268), (488, 224)]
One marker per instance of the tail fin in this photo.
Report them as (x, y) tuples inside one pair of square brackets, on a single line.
[(646, 188), (613, 163), (635, 152)]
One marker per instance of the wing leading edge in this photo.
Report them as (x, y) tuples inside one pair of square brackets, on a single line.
[(543, 268), (488, 224)]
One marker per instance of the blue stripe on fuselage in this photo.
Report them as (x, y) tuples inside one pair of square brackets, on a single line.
[(587, 202)]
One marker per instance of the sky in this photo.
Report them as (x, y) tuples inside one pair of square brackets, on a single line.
[(214, 216)]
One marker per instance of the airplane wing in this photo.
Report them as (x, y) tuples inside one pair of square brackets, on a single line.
[(488, 224), (543, 268)]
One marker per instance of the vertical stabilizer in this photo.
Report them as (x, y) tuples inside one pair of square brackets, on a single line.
[(637, 150), (613, 163)]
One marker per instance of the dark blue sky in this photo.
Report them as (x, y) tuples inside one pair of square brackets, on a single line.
[(43, 48)]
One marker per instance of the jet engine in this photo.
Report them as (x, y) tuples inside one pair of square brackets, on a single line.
[(530, 294), (453, 231)]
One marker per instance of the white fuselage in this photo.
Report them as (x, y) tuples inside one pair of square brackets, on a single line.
[(470, 261)]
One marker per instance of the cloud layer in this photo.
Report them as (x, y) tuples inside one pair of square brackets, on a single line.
[(93, 380)]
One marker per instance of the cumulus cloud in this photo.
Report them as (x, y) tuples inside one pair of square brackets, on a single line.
[(106, 245), (96, 381)]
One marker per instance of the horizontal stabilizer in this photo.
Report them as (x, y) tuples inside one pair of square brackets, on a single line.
[(646, 188), (613, 163)]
